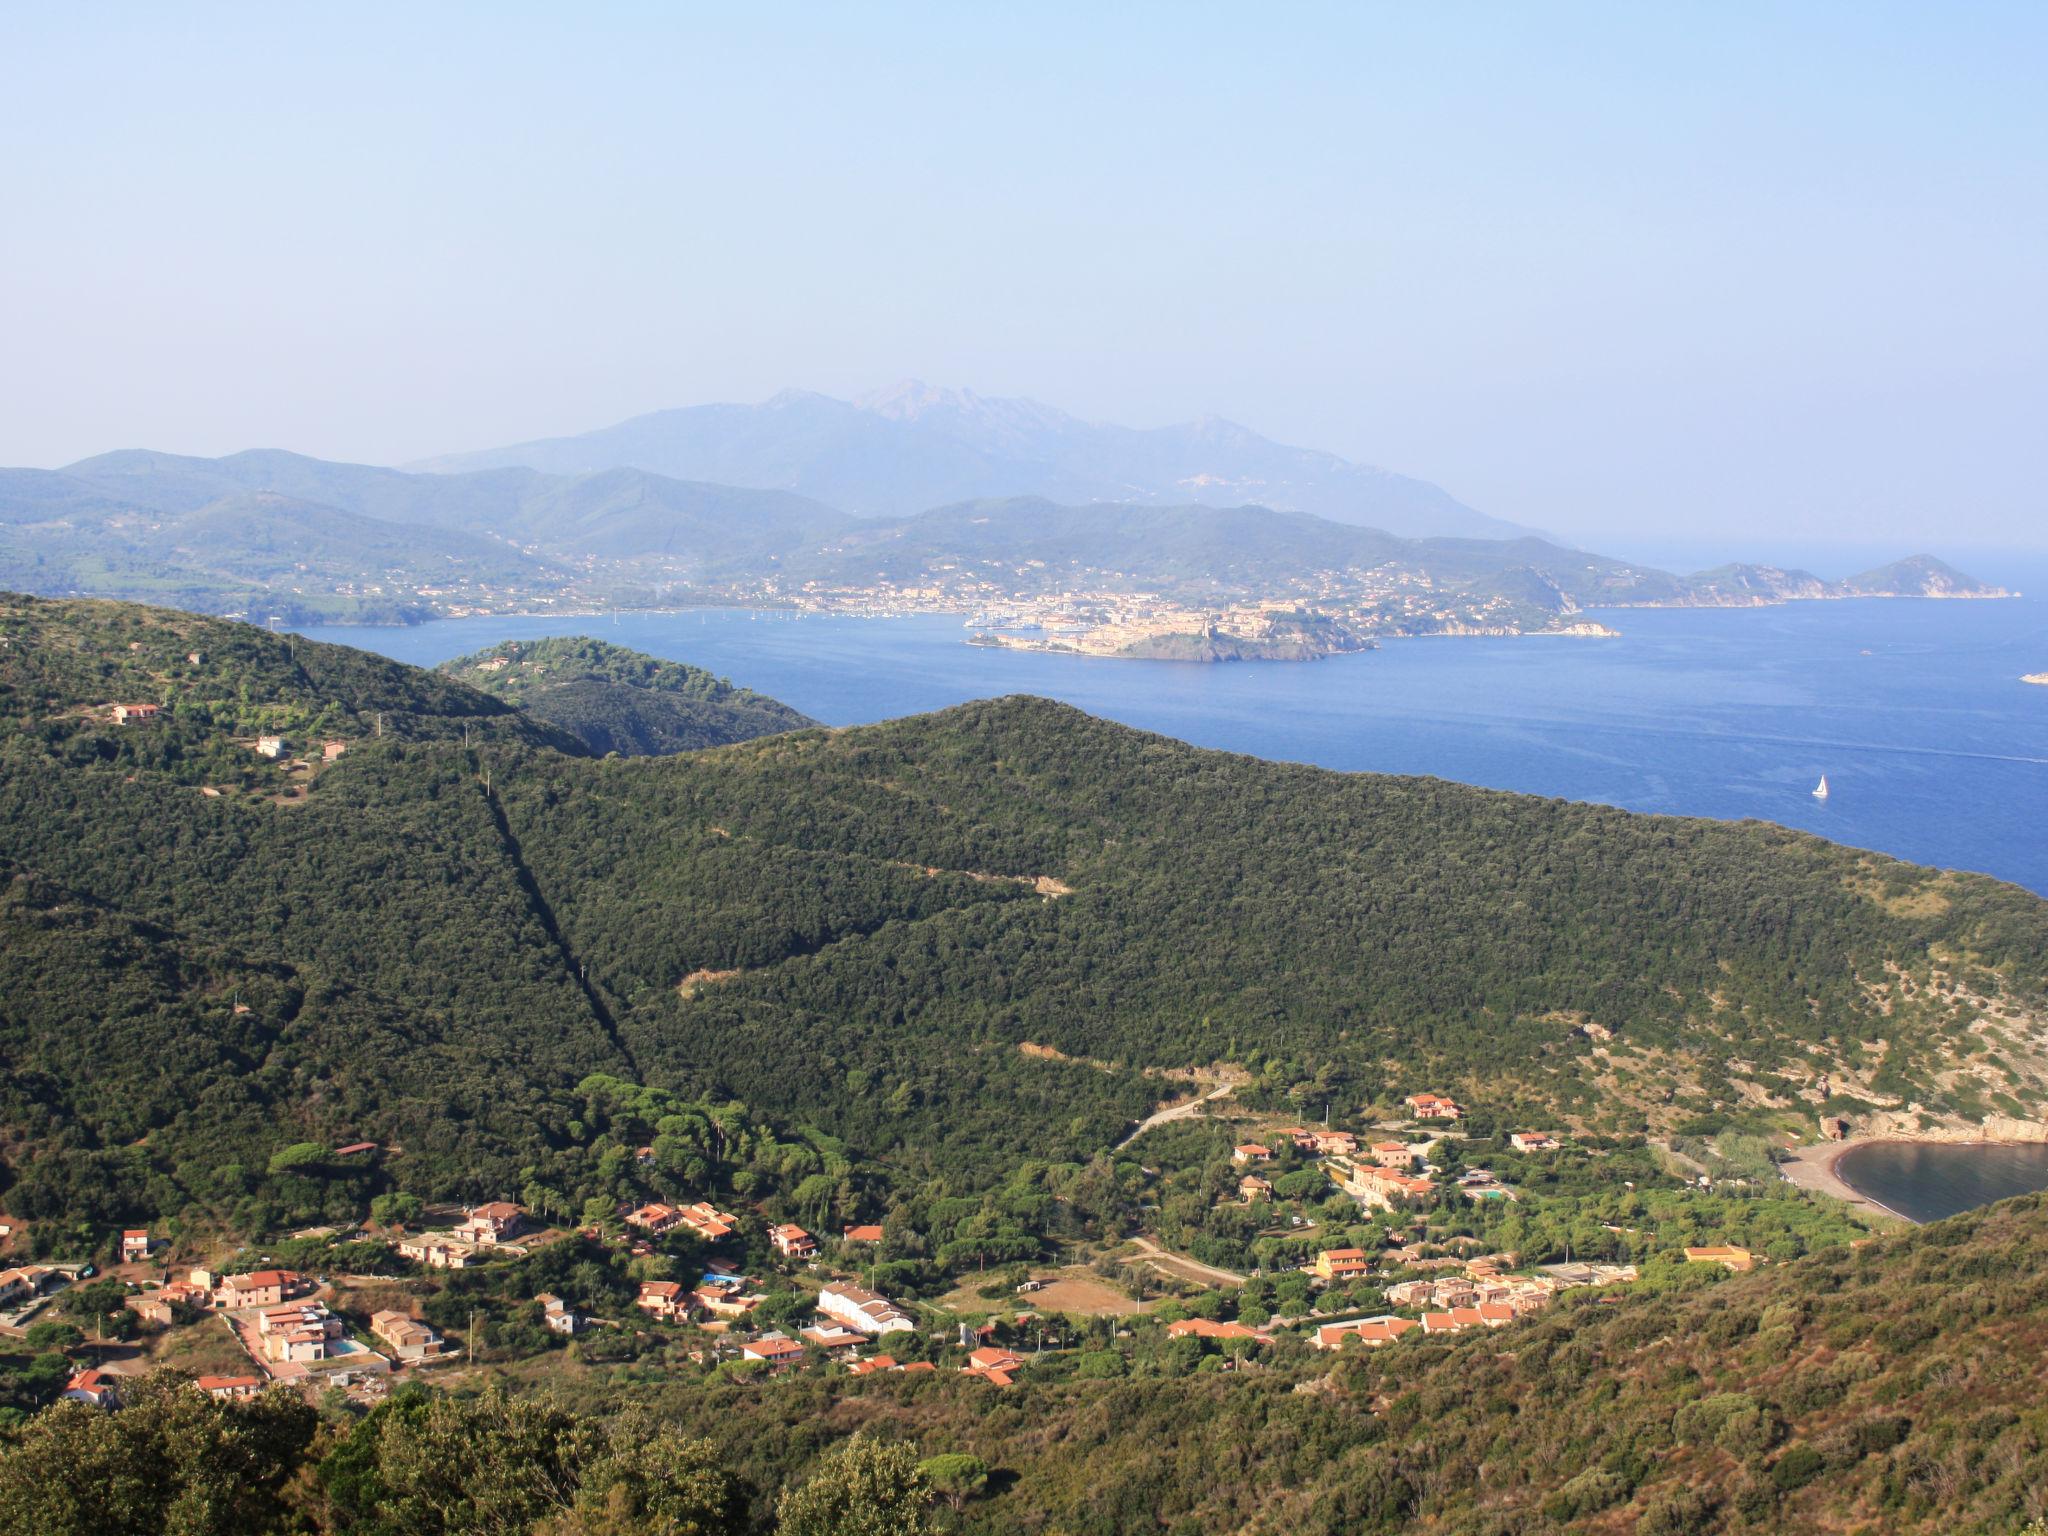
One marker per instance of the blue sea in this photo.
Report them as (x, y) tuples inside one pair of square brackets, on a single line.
[(1934, 750), (1927, 1181)]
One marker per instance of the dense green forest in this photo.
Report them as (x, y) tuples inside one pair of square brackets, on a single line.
[(1892, 1387), (432, 939), (617, 700)]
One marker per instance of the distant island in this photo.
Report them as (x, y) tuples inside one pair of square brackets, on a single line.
[(1180, 635), (2036, 677), (285, 540)]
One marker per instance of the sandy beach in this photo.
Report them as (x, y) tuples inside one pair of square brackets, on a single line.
[(1814, 1168)]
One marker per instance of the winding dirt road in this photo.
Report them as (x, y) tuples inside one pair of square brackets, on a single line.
[(1175, 1112)]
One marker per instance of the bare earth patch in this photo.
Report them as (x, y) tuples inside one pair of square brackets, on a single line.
[(696, 980), (1074, 1289)]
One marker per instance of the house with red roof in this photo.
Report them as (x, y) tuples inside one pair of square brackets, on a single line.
[(490, 1223), (95, 1386), (1372, 1332), (228, 1388), (774, 1350), (663, 1299), (1206, 1328), (1432, 1106), (997, 1367)]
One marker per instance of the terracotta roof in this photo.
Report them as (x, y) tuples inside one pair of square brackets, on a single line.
[(1204, 1328)]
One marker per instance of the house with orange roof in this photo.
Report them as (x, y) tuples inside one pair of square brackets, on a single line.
[(1432, 1106), (490, 1223), (708, 1221), (95, 1386), (655, 1218), (1741, 1260), (407, 1337), (1206, 1328), (793, 1242), (1372, 1332), (440, 1250), (870, 1232), (774, 1350), (228, 1388), (1342, 1264), (298, 1332), (1251, 1152), (832, 1338), (1375, 1187), (726, 1302), (663, 1299), (260, 1288), (997, 1367)]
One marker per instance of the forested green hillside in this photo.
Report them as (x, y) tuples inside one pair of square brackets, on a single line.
[(442, 931), (617, 700), (1349, 937)]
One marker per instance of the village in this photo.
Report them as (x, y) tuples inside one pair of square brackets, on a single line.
[(752, 1298)]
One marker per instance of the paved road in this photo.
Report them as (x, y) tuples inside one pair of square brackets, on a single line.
[(1175, 1112)]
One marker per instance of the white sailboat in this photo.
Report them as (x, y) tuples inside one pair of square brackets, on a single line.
[(1820, 790)]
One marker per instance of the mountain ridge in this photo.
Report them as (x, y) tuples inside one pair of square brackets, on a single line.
[(897, 451)]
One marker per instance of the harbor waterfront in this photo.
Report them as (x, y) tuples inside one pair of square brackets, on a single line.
[(1933, 748)]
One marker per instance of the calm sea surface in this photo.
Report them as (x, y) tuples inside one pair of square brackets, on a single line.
[(1933, 748), (1929, 1181)]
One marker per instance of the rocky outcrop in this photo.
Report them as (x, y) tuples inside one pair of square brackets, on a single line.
[(1904, 1125)]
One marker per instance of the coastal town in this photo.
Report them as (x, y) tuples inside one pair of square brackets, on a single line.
[(723, 1288)]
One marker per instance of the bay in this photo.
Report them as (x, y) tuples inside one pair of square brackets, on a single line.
[(1926, 1181), (1934, 749)]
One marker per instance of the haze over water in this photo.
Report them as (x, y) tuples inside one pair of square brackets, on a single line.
[(1934, 750)]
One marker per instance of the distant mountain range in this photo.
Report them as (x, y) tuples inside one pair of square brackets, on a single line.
[(912, 447), (274, 534)]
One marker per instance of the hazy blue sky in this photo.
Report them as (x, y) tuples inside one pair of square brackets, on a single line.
[(1698, 271)]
